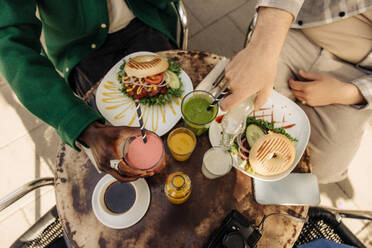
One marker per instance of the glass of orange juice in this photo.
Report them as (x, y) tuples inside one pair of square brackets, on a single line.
[(181, 142)]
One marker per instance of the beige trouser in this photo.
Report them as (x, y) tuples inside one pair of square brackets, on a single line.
[(336, 130)]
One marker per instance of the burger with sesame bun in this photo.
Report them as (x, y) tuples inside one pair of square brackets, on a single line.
[(152, 79)]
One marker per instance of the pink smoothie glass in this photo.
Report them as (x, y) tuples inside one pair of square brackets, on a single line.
[(149, 156)]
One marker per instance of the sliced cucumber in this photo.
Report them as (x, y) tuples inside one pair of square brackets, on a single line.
[(172, 79), (253, 133)]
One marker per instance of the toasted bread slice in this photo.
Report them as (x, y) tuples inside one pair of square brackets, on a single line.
[(146, 65)]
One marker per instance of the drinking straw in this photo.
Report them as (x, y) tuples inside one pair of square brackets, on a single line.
[(139, 115), (218, 98)]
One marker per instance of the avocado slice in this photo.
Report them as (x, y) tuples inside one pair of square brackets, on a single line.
[(172, 79)]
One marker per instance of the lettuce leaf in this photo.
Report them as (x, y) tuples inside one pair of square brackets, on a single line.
[(174, 67)]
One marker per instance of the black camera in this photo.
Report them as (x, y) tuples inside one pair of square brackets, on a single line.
[(235, 232)]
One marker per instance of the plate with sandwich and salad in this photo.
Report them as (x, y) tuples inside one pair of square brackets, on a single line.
[(158, 83), (273, 142)]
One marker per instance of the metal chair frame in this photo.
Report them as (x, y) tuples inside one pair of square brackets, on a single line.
[(23, 190), (183, 21), (251, 26)]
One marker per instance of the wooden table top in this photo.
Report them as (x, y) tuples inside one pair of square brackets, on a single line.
[(167, 225)]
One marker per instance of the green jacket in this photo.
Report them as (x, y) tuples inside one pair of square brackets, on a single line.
[(72, 29)]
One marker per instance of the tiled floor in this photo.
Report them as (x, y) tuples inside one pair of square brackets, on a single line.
[(27, 145)]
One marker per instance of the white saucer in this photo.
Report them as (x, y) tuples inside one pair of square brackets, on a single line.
[(128, 218)]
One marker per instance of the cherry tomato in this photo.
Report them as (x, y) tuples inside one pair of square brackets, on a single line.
[(155, 80)]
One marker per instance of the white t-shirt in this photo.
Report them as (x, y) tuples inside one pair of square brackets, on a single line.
[(119, 15)]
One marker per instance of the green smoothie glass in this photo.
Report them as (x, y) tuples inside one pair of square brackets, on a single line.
[(195, 112)]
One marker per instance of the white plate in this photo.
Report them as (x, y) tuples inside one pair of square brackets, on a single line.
[(284, 112), (119, 109), (128, 218)]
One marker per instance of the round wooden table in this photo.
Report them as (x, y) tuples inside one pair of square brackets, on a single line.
[(167, 225)]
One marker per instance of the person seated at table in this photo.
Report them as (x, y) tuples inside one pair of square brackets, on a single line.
[(83, 39), (324, 61)]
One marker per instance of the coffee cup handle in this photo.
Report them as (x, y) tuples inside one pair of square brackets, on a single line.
[(114, 164)]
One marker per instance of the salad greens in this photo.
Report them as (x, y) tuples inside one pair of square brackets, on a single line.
[(269, 126), (174, 67)]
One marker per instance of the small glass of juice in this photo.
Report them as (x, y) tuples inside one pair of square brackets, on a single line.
[(195, 111), (217, 162), (181, 142), (177, 188), (145, 156)]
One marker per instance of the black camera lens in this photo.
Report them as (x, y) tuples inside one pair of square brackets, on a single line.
[(233, 240)]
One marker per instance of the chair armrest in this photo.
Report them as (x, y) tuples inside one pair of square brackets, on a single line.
[(22, 191), (346, 213)]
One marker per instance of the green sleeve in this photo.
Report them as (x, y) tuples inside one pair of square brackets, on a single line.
[(33, 77)]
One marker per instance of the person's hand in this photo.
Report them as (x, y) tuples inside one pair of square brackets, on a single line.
[(322, 90), (253, 70), (104, 141), (249, 73)]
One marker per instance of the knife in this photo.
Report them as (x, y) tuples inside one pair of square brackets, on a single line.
[(214, 77)]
